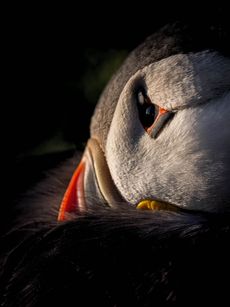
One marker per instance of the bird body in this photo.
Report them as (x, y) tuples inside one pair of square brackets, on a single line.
[(165, 138), (160, 140)]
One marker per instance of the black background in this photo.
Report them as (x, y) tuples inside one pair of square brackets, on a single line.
[(46, 58)]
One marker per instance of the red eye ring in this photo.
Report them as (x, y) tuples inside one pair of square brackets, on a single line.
[(162, 117), (152, 117)]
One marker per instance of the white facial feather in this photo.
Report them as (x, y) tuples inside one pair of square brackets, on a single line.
[(189, 163), (187, 79)]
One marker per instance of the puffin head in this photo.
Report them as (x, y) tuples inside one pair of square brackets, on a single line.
[(160, 136)]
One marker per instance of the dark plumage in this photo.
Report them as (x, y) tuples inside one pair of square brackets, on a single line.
[(119, 258)]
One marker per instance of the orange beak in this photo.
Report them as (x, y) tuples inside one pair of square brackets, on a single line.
[(91, 182), (73, 199)]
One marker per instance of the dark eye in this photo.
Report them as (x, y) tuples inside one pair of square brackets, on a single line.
[(152, 117), (146, 109)]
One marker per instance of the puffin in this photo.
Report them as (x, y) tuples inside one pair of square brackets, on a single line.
[(160, 136), (143, 219)]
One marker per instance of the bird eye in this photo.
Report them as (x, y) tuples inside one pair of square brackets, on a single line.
[(152, 117), (146, 109)]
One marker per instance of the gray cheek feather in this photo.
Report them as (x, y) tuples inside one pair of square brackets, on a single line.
[(187, 164)]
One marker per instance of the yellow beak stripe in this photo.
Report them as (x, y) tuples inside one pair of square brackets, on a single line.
[(156, 205)]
